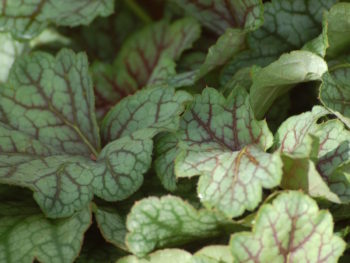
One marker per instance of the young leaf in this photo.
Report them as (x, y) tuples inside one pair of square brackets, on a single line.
[(27, 235), (288, 24), (221, 142), (29, 18), (168, 221), (280, 76), (338, 29), (140, 55), (219, 15), (291, 229)]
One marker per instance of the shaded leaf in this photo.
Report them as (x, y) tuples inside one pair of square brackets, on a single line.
[(27, 19), (27, 235), (219, 15), (111, 225), (290, 229), (338, 29), (134, 67), (280, 76), (288, 25)]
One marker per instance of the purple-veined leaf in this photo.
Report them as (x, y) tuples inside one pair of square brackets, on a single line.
[(223, 143), (291, 229), (219, 15), (140, 56), (29, 18), (168, 221)]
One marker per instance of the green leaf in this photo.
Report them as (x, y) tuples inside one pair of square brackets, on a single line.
[(221, 142), (301, 174), (160, 256), (213, 254), (293, 139), (279, 77), (28, 19), (231, 181), (334, 92), (164, 164), (148, 112), (227, 45), (111, 225), (10, 49), (338, 29), (288, 25), (140, 55), (291, 229), (48, 130), (27, 235), (219, 15), (169, 221)]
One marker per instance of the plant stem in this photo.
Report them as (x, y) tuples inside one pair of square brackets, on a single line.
[(138, 11)]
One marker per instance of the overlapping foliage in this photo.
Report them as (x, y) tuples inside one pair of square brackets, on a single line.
[(174, 131)]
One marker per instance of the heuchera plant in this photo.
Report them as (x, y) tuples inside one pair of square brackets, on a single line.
[(174, 131)]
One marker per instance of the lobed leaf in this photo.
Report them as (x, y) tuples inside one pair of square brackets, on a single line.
[(26, 235), (219, 15), (27, 19), (168, 221), (290, 229)]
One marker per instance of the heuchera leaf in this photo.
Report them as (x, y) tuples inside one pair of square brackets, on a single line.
[(27, 19), (334, 91), (10, 49), (338, 29), (280, 76), (140, 55), (224, 144), (288, 24), (219, 15), (25, 234), (213, 254), (168, 221), (160, 256), (293, 139), (111, 225), (50, 140), (164, 164), (48, 126), (291, 229)]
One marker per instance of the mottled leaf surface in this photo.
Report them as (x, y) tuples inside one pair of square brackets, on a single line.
[(168, 221), (25, 19), (160, 256), (334, 91), (149, 111), (25, 234), (112, 225), (218, 15), (291, 229), (140, 55), (223, 143), (288, 25)]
